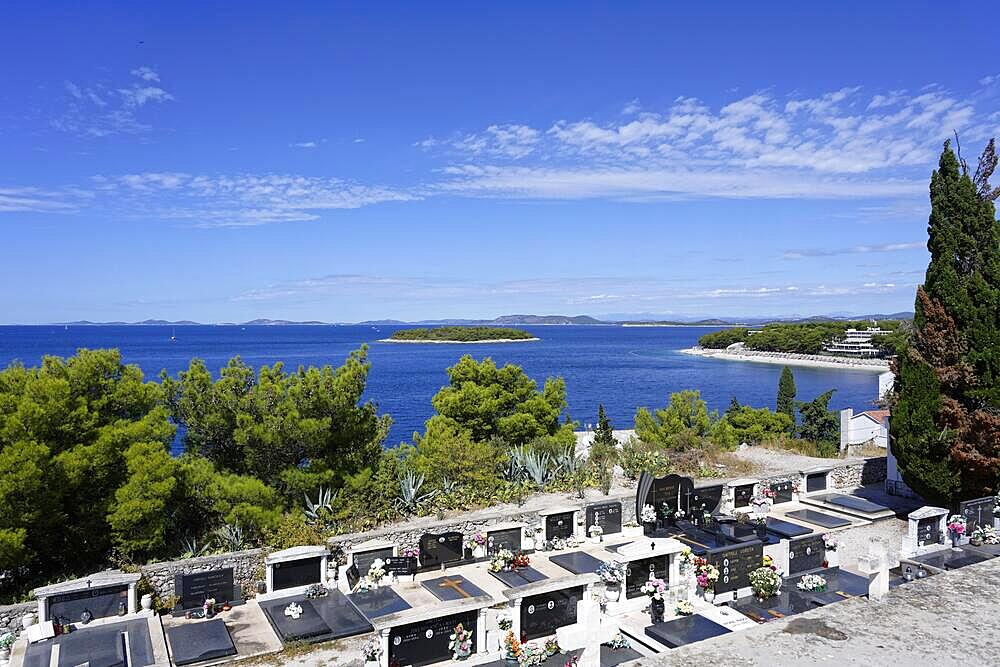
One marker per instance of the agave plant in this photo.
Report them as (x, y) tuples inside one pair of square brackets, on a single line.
[(569, 462), (230, 537), (409, 492), (537, 467), (191, 548), (515, 464), (448, 486), (321, 509)]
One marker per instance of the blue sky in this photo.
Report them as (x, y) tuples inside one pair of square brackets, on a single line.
[(342, 162)]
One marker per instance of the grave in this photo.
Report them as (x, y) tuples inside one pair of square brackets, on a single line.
[(101, 595), (788, 602), (577, 562), (786, 529), (805, 554), (951, 559), (425, 642), (745, 532), (850, 505), (454, 587), (637, 573), (735, 563), (559, 523), (378, 602), (332, 616), (544, 613), (193, 589), (978, 512), (364, 554), (672, 491), (505, 536), (522, 576), (783, 492), (606, 515), (743, 494), (294, 569), (926, 529), (685, 630), (199, 641), (840, 585), (437, 550), (817, 518), (706, 499), (98, 646)]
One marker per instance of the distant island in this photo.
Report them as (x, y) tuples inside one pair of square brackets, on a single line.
[(460, 335)]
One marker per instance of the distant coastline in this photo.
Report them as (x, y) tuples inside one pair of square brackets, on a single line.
[(792, 359), (459, 342)]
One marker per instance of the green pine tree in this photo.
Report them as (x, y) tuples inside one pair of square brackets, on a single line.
[(786, 394), (945, 424), (603, 450), (819, 424)]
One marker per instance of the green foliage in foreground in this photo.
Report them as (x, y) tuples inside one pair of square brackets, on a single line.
[(799, 338), (461, 334)]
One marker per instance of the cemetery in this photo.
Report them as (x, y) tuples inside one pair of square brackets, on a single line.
[(599, 582)]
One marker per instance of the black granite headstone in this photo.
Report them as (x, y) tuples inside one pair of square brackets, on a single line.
[(100, 602), (978, 512), (735, 565), (928, 531), (364, 559), (637, 573), (353, 577), (672, 491), (426, 642), (559, 526), (606, 515), (507, 538), (401, 566), (782, 492), (706, 499), (543, 614), (200, 641), (807, 553), (742, 495), (438, 549), (294, 573), (193, 589), (816, 482)]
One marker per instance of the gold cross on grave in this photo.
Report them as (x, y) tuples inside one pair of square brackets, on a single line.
[(455, 585)]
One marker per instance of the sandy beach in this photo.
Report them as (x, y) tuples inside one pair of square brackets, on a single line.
[(792, 359), (461, 342)]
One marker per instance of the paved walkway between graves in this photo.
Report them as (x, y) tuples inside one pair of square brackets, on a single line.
[(948, 619)]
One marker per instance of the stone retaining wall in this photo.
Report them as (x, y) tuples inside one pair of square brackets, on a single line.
[(11, 614), (863, 473), (248, 568)]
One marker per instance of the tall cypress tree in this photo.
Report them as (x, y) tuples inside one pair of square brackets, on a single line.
[(786, 394), (945, 424)]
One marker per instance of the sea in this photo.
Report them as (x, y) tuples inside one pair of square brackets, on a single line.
[(622, 368)]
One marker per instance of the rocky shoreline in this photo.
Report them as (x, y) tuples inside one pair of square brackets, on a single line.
[(793, 359)]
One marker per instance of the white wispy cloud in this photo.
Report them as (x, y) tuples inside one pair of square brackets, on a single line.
[(38, 200), (840, 144), (240, 200), (854, 250), (102, 109)]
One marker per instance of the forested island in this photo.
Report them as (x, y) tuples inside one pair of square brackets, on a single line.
[(806, 338), (460, 335)]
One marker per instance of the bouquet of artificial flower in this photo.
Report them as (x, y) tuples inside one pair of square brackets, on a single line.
[(684, 608), (654, 588), (811, 582), (831, 542), (595, 531), (956, 524), (376, 570), (478, 539), (501, 560), (371, 650), (460, 643), (648, 514), (765, 582), (611, 573)]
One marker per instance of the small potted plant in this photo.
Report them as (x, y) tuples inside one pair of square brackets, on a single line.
[(812, 583), (504, 621), (371, 651), (460, 643), (956, 528), (648, 518), (612, 574), (655, 589), (6, 641), (513, 650), (477, 544), (551, 647), (684, 608), (765, 582), (596, 533)]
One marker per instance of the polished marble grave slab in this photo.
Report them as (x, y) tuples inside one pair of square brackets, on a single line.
[(819, 518), (198, 641), (452, 587), (577, 562), (685, 630), (522, 576), (378, 602)]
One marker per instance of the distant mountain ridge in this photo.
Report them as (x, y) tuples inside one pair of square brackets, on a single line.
[(538, 320)]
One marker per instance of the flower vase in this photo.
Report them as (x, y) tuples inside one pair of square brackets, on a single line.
[(479, 551), (656, 609), (146, 601), (371, 663), (4, 655), (27, 620), (648, 528), (832, 559), (528, 543)]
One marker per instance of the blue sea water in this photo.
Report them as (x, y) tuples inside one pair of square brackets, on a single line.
[(621, 367)]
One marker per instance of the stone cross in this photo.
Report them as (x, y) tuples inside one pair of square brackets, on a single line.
[(876, 566), (455, 585)]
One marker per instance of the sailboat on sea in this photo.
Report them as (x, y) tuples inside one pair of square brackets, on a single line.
[(173, 335)]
